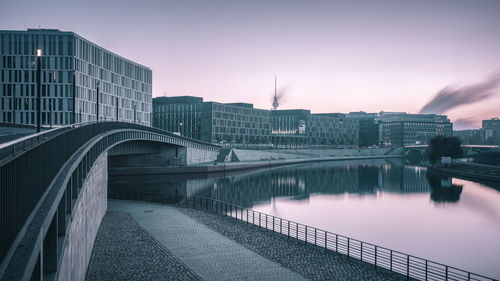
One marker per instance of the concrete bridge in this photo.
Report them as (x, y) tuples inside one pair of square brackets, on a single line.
[(53, 191)]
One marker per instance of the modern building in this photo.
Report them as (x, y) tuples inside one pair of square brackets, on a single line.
[(369, 128), (289, 127), (241, 123), (235, 123), (491, 131), (212, 121), (180, 115), (298, 127), (73, 70), (470, 136), (399, 128), (332, 129)]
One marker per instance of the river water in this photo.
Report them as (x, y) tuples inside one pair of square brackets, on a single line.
[(384, 202)]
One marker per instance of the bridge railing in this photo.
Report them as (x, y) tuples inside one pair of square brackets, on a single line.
[(28, 167), (380, 257)]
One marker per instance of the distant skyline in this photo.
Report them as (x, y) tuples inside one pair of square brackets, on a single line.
[(329, 56)]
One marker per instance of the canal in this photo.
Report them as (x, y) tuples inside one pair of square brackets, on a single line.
[(384, 202)]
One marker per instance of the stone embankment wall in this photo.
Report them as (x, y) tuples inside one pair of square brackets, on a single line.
[(87, 216), (285, 154)]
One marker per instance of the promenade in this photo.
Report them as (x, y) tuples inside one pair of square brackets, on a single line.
[(143, 241)]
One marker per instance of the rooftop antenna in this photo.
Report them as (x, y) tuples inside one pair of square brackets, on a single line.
[(275, 102)]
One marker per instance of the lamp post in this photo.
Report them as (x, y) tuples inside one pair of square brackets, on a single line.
[(97, 109), (180, 128), (117, 100), (39, 89), (134, 112)]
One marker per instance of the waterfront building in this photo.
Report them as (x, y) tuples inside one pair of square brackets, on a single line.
[(491, 131), (235, 123), (179, 115), (409, 129), (470, 136), (289, 127), (369, 128), (332, 129), (73, 68), (212, 121), (241, 123)]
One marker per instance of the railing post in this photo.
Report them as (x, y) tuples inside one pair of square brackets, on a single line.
[(390, 266), (426, 271), (315, 237), (281, 221), (266, 221), (375, 256), (446, 273), (407, 267), (297, 231), (361, 250), (305, 237), (259, 219), (273, 224), (348, 245), (247, 216), (336, 243), (288, 232), (326, 239)]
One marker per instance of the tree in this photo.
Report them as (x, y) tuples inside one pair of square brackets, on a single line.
[(444, 146)]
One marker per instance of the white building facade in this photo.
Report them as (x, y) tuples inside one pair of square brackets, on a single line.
[(73, 69)]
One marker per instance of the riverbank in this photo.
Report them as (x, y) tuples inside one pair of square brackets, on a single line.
[(471, 171), (231, 166)]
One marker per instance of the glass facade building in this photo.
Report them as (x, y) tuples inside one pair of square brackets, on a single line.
[(491, 131), (72, 69), (212, 121), (410, 129)]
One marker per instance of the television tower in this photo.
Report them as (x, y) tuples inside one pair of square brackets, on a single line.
[(275, 102)]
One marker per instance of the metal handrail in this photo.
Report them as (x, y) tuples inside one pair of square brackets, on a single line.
[(12, 149), (381, 257)]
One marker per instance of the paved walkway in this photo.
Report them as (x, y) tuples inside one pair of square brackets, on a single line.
[(207, 253)]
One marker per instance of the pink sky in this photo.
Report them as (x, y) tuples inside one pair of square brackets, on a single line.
[(332, 56)]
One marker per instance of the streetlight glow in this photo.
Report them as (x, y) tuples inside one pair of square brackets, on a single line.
[(38, 52)]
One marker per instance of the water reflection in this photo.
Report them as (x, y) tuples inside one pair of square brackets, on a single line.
[(298, 182)]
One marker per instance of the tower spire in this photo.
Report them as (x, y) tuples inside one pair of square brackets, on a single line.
[(275, 102)]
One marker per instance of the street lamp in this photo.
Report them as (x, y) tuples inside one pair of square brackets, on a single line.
[(97, 110), (180, 128), (39, 87)]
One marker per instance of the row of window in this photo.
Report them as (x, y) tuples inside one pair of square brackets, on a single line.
[(24, 43)]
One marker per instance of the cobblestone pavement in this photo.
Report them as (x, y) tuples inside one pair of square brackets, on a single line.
[(206, 252), (306, 260), (123, 250)]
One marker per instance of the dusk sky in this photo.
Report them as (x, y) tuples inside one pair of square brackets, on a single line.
[(330, 56)]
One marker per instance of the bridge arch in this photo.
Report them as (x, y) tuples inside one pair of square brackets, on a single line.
[(42, 179)]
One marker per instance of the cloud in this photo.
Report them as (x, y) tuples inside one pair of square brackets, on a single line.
[(450, 97)]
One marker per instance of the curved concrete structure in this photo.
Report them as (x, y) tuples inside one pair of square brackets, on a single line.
[(53, 194)]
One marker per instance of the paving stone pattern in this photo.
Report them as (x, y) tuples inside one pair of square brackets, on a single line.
[(307, 260), (206, 252), (123, 250)]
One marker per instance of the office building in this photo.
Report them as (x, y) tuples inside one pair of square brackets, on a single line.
[(212, 121), (399, 128), (72, 71), (369, 128), (179, 115), (469, 136), (491, 131)]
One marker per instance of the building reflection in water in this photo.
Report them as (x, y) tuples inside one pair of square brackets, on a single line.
[(297, 182)]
